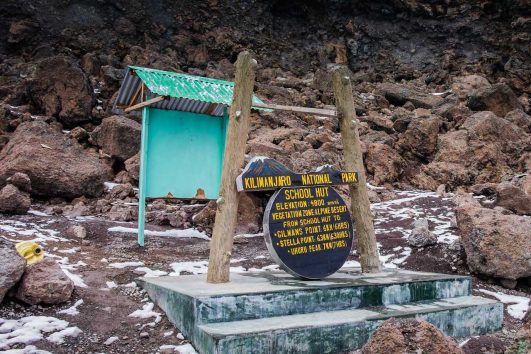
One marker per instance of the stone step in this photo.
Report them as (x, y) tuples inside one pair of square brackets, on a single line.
[(344, 330), (255, 295)]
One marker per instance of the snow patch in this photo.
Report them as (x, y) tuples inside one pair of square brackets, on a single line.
[(59, 337), (150, 273), (122, 265), (111, 340), (147, 312), (517, 305), (186, 233), (37, 213), (32, 329), (72, 311), (182, 349)]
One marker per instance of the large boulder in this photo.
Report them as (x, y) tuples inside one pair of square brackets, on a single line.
[(409, 336), (60, 88), (521, 119), (486, 149), (421, 235), (465, 86), (420, 138), (132, 166), (398, 94), (57, 165), (384, 163), (13, 200), (250, 213), (513, 198), (118, 136), (45, 283), (498, 98), (11, 267), (21, 181), (496, 244)]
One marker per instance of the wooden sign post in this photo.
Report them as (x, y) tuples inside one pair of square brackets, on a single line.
[(227, 204), (360, 204)]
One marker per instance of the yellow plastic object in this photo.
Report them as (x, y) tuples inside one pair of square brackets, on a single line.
[(31, 251)]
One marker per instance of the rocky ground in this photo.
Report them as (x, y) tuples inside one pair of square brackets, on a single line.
[(441, 90), (105, 262)]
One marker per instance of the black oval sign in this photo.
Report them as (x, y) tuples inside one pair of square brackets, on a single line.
[(308, 231)]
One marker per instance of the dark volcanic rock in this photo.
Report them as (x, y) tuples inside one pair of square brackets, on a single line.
[(384, 163), (118, 136), (13, 200), (61, 89), (400, 94), (409, 336), (21, 181), (421, 235), (496, 244), (45, 283), (498, 98), (56, 164), (486, 149), (513, 198), (420, 138), (11, 266)]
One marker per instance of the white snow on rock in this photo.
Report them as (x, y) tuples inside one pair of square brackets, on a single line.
[(111, 340), (59, 337), (517, 305), (122, 265), (29, 349), (20, 231), (186, 233), (201, 267), (31, 329), (182, 349), (37, 213), (150, 273), (76, 279), (70, 250), (260, 234), (147, 312), (111, 284), (72, 311)]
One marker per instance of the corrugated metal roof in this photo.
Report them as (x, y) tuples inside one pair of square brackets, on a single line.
[(186, 92)]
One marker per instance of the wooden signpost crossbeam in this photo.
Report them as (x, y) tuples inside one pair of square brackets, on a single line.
[(227, 205), (360, 204)]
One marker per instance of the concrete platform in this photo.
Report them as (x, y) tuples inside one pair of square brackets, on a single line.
[(265, 312)]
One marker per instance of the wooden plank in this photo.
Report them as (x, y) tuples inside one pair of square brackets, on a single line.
[(135, 96), (227, 204), (315, 111), (360, 205), (145, 103), (211, 108)]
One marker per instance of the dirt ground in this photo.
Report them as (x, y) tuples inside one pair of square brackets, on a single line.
[(109, 296)]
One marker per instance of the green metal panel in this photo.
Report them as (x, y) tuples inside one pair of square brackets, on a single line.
[(143, 176), (165, 83), (184, 153)]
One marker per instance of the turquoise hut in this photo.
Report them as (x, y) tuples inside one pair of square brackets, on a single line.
[(184, 121)]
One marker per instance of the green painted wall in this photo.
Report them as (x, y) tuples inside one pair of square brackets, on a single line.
[(184, 152)]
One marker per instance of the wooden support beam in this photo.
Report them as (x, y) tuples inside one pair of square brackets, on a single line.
[(137, 92), (360, 204), (315, 111), (227, 204), (145, 103)]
